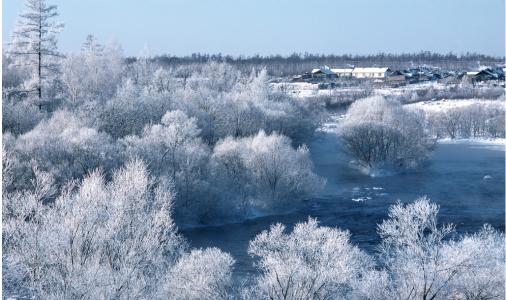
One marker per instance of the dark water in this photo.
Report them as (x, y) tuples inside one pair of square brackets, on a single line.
[(466, 180)]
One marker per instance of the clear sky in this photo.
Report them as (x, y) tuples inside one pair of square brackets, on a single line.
[(182, 27)]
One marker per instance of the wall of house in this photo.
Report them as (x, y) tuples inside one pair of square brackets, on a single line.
[(369, 75)]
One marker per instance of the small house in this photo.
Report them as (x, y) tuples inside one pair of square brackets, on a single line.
[(396, 77), (323, 72)]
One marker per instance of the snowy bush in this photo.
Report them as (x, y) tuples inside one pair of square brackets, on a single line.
[(379, 133), (423, 262), (65, 147), (104, 240), (92, 74), (417, 259), (312, 262), (174, 149), (131, 110), (20, 117), (201, 274), (262, 171)]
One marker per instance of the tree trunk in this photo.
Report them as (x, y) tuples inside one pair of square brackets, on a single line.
[(39, 62)]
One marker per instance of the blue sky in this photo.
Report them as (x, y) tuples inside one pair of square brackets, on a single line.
[(181, 27)]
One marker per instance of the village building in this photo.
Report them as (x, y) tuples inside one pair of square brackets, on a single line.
[(489, 74), (323, 72), (370, 72), (374, 73), (396, 77), (346, 72)]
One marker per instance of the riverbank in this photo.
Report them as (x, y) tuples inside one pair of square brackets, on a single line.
[(478, 141)]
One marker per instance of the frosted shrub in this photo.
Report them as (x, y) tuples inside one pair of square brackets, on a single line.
[(65, 147), (417, 259), (379, 133), (173, 149), (104, 240), (422, 261), (263, 171), (312, 262), (201, 274)]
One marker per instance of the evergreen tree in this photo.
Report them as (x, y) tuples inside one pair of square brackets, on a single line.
[(34, 43)]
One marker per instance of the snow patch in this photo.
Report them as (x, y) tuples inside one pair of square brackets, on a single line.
[(447, 104), (361, 199), (497, 144)]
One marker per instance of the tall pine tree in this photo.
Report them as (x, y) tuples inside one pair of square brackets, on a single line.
[(34, 43)]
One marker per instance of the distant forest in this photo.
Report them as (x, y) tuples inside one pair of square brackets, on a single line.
[(278, 65)]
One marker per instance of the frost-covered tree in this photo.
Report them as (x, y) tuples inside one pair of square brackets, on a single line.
[(480, 120), (379, 133), (263, 170), (174, 149), (34, 42), (411, 249), (66, 148), (227, 103), (481, 260), (19, 117), (104, 240), (142, 242), (94, 73), (201, 274), (423, 263), (25, 235), (417, 259), (312, 262), (92, 46), (131, 110)]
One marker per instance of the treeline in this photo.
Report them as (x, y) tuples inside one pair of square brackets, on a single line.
[(473, 121), (278, 65)]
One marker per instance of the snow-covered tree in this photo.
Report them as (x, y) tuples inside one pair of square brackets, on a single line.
[(92, 74), (379, 133), (472, 121), (105, 240), (25, 236), (422, 261), (481, 260), (174, 149), (312, 262), (263, 170), (34, 42), (67, 148), (201, 274)]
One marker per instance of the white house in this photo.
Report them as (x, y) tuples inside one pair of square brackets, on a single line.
[(350, 72), (370, 72), (347, 72)]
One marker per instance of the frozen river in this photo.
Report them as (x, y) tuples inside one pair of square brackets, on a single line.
[(466, 180)]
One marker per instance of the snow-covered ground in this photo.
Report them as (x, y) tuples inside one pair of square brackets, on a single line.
[(446, 104), (483, 141), (305, 89)]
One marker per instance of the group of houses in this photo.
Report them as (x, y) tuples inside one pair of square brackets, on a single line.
[(400, 77), (326, 72)]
